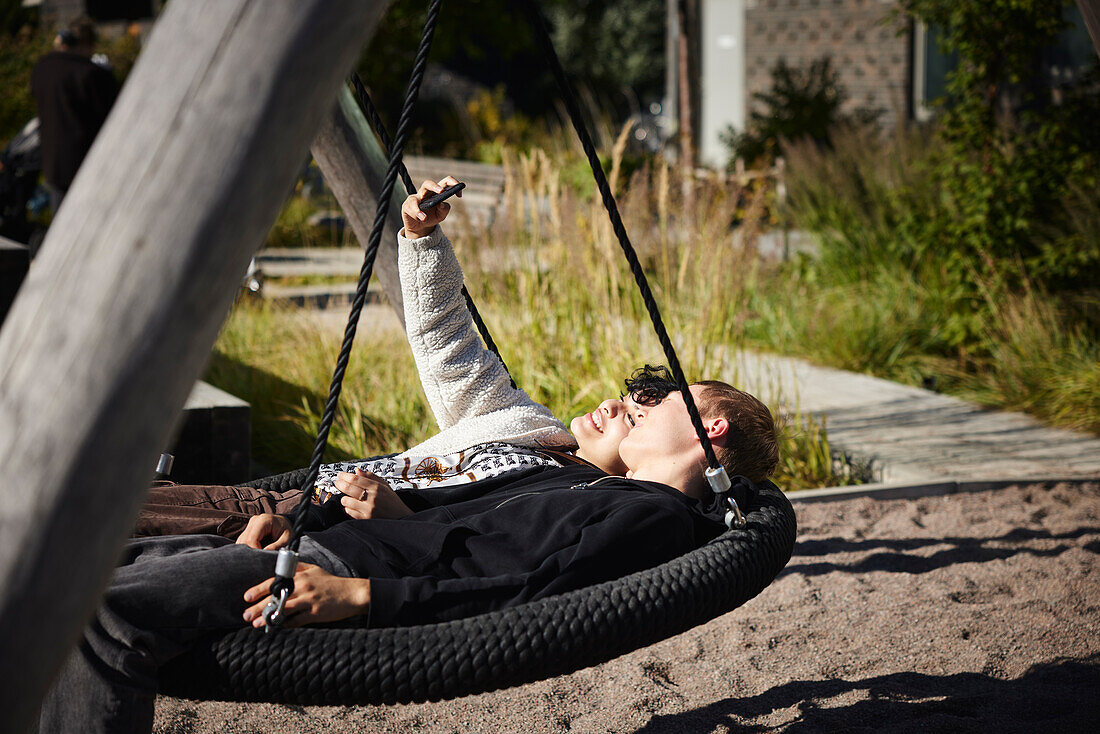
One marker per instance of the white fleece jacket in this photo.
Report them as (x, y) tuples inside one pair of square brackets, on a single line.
[(468, 389)]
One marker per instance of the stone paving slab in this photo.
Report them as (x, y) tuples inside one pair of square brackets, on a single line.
[(213, 443), (914, 435), (480, 178)]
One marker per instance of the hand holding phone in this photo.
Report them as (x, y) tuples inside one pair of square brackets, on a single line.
[(436, 199), (422, 211)]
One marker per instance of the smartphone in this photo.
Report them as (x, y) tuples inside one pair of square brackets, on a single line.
[(442, 196)]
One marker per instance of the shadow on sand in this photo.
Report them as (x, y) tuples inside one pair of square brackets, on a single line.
[(894, 557), (1057, 696)]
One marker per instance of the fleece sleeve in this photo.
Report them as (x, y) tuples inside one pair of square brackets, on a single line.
[(468, 389)]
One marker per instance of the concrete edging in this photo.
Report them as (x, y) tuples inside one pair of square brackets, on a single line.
[(888, 491)]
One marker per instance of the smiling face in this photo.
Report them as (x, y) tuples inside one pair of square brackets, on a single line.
[(600, 432), (623, 437), (648, 434)]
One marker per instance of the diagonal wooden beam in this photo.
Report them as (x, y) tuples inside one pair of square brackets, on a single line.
[(125, 299), (354, 166)]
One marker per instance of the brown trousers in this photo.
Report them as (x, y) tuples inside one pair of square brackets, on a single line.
[(182, 509)]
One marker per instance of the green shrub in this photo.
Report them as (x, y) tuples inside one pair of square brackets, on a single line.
[(980, 200), (1008, 155), (802, 103)]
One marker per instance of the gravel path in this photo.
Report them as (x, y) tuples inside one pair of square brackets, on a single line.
[(976, 612)]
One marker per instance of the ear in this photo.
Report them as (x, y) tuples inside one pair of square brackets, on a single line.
[(717, 430)]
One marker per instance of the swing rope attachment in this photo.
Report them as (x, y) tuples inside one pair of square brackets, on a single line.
[(281, 588)]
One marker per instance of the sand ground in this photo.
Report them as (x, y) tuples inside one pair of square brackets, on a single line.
[(976, 612)]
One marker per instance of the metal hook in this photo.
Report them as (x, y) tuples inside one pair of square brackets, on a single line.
[(273, 612), (285, 566), (734, 518), (720, 483)]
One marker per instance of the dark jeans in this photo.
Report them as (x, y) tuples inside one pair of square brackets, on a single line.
[(181, 509), (166, 593)]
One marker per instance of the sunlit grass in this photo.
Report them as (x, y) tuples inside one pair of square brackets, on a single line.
[(1037, 363), (281, 362)]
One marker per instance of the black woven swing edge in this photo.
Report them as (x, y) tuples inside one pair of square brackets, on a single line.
[(497, 650)]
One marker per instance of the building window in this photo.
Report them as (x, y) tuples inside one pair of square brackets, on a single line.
[(1059, 65)]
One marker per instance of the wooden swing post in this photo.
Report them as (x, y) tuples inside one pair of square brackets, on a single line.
[(125, 299)]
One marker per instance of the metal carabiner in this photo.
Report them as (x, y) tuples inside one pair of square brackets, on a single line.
[(734, 517), (720, 484), (285, 566), (273, 612)]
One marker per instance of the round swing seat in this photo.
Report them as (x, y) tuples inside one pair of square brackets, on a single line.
[(549, 637)]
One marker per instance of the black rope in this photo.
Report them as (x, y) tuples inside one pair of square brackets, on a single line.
[(368, 108), (364, 274), (366, 104), (543, 37)]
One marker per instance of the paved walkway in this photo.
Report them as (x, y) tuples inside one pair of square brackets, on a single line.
[(914, 435), (279, 262)]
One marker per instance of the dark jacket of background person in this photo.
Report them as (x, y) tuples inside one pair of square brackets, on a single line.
[(73, 95)]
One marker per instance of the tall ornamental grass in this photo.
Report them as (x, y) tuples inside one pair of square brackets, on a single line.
[(895, 293)]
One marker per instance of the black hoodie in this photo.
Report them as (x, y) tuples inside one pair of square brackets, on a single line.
[(511, 539)]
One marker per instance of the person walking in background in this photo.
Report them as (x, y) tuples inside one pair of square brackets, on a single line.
[(73, 95)]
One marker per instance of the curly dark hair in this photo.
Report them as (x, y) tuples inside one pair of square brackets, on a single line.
[(650, 385)]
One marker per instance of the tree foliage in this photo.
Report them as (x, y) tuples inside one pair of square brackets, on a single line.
[(18, 52), (606, 46), (612, 45), (1011, 153), (996, 198), (13, 17), (997, 44)]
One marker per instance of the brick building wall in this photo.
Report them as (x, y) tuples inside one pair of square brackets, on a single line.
[(871, 58)]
